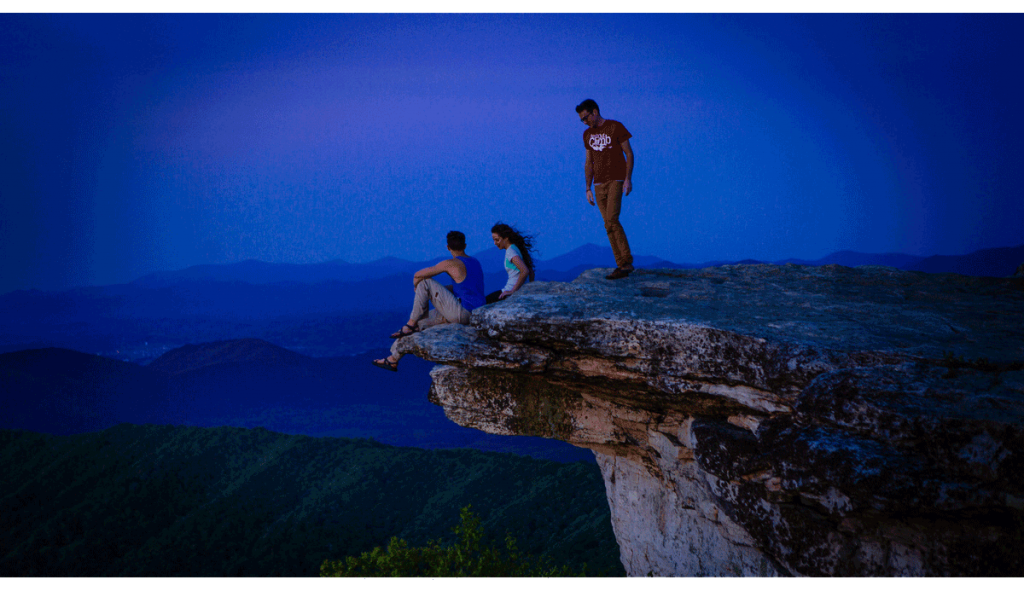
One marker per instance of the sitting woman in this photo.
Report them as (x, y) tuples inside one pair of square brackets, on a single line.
[(449, 307), (518, 260)]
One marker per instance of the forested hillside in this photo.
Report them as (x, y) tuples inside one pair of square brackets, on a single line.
[(183, 501)]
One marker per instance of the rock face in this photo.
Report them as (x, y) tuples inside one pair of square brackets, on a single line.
[(768, 420)]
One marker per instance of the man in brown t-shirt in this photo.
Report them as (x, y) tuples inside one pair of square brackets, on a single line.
[(609, 167)]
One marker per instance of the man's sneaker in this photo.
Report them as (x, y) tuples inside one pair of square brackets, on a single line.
[(618, 273)]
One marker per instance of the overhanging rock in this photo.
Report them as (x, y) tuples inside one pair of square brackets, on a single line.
[(768, 420)]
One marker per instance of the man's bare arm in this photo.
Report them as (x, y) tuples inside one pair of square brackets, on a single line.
[(627, 185), (428, 272), (453, 267), (524, 273), (588, 171)]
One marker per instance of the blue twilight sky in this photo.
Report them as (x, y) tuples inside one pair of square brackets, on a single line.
[(134, 143)]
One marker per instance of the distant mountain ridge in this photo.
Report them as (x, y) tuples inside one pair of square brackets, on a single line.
[(307, 309), (997, 262), (242, 383), (854, 259), (262, 272), (227, 352)]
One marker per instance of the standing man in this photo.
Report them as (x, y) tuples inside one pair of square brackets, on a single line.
[(606, 141)]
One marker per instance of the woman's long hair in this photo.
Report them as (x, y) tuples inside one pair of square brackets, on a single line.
[(523, 241)]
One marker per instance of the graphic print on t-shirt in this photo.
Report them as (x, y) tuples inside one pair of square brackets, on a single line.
[(599, 141)]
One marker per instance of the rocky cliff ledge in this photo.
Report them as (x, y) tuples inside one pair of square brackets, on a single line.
[(767, 420)]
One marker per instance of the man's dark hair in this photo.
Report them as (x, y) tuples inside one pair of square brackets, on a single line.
[(457, 240), (588, 104)]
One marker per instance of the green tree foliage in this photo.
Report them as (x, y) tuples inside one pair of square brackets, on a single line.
[(184, 501), (469, 555)]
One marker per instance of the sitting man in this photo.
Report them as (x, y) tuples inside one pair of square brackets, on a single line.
[(449, 306)]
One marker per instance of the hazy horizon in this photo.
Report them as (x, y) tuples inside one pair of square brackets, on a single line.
[(541, 260)]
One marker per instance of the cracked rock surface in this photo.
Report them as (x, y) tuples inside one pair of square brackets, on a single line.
[(768, 420)]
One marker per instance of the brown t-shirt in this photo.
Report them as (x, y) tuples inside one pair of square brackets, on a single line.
[(605, 144)]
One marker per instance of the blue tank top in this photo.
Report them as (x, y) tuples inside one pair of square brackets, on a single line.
[(470, 291)]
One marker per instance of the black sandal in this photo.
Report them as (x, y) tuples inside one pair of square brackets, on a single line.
[(402, 333), (386, 363)]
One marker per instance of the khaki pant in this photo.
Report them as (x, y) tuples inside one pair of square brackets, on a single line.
[(609, 200), (447, 309)]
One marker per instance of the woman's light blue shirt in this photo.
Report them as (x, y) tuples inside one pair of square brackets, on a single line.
[(510, 268)]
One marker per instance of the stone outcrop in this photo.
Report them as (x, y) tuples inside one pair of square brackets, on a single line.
[(768, 420)]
